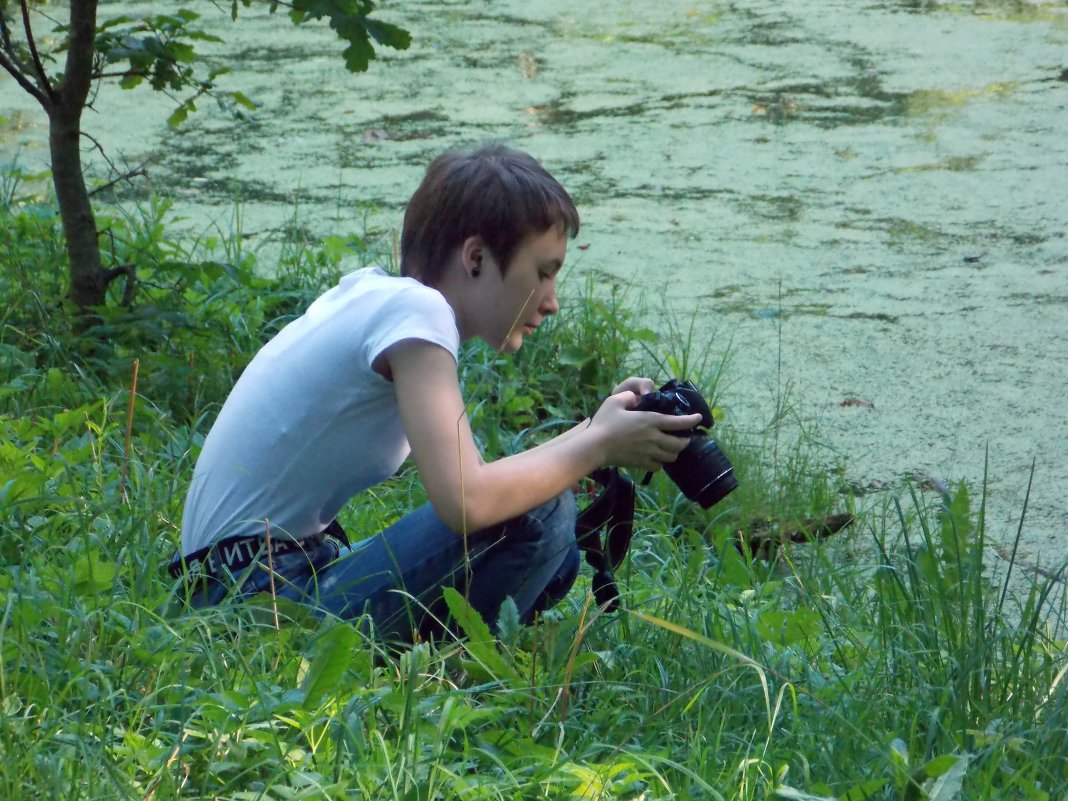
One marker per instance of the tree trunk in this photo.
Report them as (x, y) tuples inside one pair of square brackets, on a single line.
[(87, 283), (87, 278)]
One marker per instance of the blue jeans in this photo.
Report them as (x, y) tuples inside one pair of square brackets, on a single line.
[(397, 576)]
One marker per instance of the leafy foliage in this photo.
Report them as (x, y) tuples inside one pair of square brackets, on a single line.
[(157, 49), (351, 20), (160, 48)]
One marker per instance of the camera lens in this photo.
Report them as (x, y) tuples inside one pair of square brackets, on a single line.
[(702, 472)]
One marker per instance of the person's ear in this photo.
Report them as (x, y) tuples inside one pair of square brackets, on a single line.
[(472, 253)]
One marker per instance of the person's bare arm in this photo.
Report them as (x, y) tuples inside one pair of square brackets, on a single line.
[(639, 386), (469, 494)]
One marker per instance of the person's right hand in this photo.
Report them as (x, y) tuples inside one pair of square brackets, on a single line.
[(641, 440)]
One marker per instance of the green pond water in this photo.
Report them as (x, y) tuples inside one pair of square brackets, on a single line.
[(868, 201)]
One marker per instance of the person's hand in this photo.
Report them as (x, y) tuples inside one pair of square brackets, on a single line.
[(639, 439), (639, 386)]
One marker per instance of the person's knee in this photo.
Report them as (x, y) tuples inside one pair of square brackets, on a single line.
[(559, 585), (551, 526)]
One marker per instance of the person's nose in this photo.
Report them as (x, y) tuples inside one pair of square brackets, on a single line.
[(550, 304)]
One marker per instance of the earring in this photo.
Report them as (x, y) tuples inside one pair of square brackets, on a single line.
[(476, 271)]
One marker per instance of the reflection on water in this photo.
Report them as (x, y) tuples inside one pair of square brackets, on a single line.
[(889, 179)]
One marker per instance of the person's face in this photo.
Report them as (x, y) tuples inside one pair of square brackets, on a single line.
[(516, 303)]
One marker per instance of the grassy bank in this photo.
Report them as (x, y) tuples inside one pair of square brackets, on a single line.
[(906, 674)]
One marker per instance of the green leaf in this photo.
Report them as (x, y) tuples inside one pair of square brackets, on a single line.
[(864, 791), (798, 795), (480, 641), (948, 785), (200, 36), (333, 654), (93, 575), (644, 335), (389, 35), (243, 100), (179, 115), (73, 419), (585, 658), (470, 621), (182, 53), (111, 23), (573, 356), (899, 752), (732, 566), (508, 622), (956, 527), (519, 404), (358, 54), (940, 764), (788, 627), (337, 247)]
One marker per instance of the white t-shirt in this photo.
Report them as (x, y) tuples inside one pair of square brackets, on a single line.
[(309, 424)]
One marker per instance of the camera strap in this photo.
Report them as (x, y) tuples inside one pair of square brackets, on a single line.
[(612, 510)]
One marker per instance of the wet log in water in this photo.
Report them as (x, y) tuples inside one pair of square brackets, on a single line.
[(763, 537)]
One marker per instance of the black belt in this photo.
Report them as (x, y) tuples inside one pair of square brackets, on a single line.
[(233, 554)]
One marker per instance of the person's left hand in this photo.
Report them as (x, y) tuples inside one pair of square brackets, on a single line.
[(639, 386)]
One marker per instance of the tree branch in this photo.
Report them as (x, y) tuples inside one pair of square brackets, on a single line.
[(100, 147), (136, 171), (42, 76), (23, 81), (5, 35), (131, 281), (122, 74), (130, 173)]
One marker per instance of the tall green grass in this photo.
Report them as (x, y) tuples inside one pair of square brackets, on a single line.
[(908, 673)]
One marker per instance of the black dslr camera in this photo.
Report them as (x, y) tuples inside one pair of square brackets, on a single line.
[(701, 470)]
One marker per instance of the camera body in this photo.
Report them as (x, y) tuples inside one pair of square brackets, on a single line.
[(701, 471)]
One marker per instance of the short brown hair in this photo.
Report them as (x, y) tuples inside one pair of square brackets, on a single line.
[(495, 192)]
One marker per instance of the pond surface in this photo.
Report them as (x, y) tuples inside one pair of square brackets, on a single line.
[(868, 202)]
